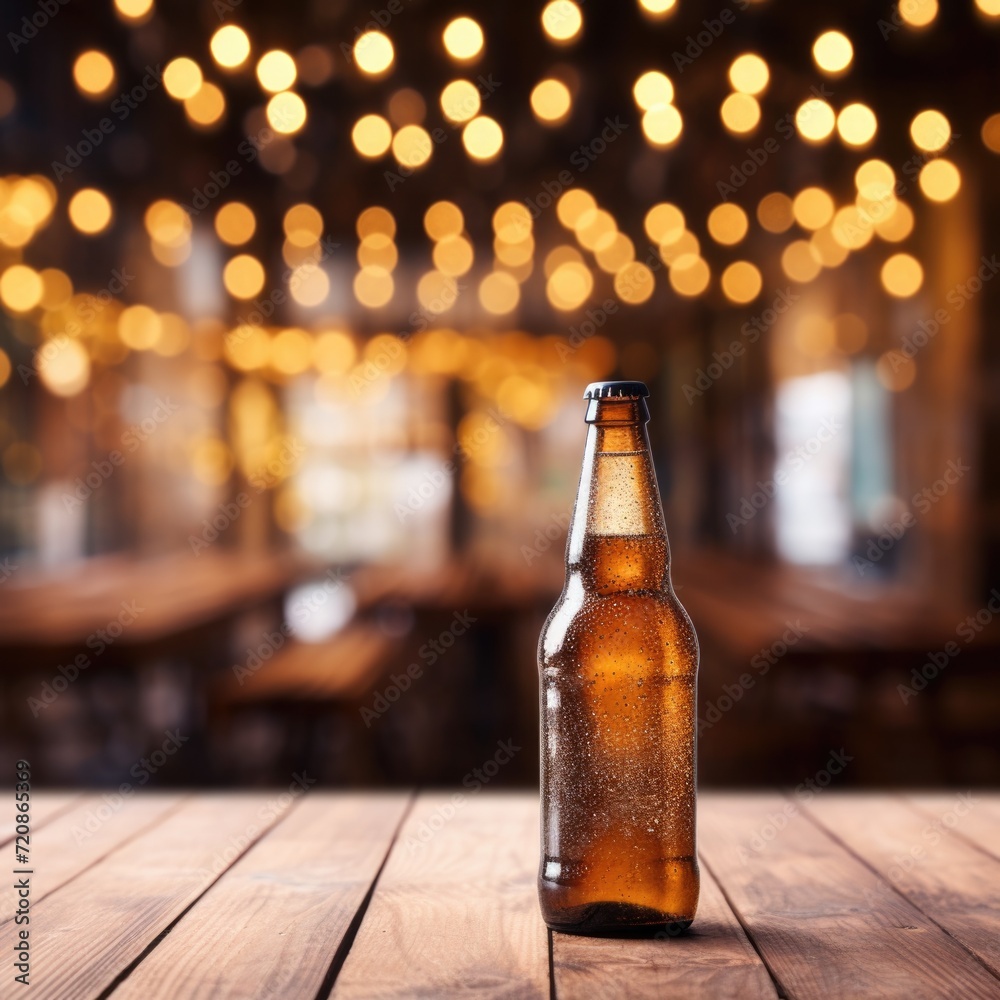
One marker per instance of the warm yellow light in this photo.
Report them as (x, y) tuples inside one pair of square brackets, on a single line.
[(499, 293), (827, 249), (664, 223), (378, 250), (334, 352), (573, 204), (800, 262), (774, 212), (689, 275), (990, 133), (235, 223), (991, 8), (134, 10), (66, 371), (303, 225), (813, 208), (443, 219), (560, 255), (740, 113), (139, 327), (833, 51), (207, 107), (412, 146), (562, 21), (276, 71), (482, 138), (918, 13), (930, 130), (58, 288), (230, 46), (902, 275), (897, 225), (749, 74), (512, 222), (592, 226), (662, 125), (373, 287), (94, 73), (286, 112), (182, 78), (372, 136), (453, 256), (21, 288), (815, 120), (634, 283), (896, 371), (90, 211), (651, 89), (657, 8), (463, 39), (551, 101), (857, 124), (373, 53), (437, 292), (741, 282), (168, 224), (291, 351), (940, 180), (851, 332), (852, 228), (243, 276), (516, 256), (460, 101), (727, 224), (375, 220), (5, 368), (613, 252), (875, 180), (569, 286)]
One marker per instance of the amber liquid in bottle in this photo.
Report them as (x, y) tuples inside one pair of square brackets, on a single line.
[(618, 659)]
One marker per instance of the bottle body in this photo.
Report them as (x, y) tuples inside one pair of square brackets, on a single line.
[(618, 664)]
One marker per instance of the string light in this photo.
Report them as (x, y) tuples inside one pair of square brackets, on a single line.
[(182, 78), (90, 211), (230, 46), (373, 53), (276, 71), (749, 74), (833, 52), (94, 73), (463, 39), (562, 21)]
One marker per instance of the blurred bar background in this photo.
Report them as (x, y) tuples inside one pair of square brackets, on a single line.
[(298, 304)]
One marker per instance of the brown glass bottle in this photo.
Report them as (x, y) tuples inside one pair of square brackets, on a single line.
[(618, 659)]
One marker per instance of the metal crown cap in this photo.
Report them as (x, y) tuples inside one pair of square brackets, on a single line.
[(605, 390)]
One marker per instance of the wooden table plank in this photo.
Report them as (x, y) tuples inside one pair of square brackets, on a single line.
[(42, 808), (82, 835), (714, 960), (980, 827), (952, 882), (273, 923), (87, 933), (815, 913), (455, 911)]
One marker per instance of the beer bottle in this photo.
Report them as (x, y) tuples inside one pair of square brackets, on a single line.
[(618, 659)]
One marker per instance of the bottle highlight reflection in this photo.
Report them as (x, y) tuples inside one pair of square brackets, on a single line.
[(618, 659)]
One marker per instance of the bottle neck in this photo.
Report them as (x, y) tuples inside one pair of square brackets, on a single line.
[(618, 540)]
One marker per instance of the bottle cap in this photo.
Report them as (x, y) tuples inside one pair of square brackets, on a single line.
[(604, 390)]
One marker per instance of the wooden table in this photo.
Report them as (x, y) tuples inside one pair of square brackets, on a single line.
[(299, 893)]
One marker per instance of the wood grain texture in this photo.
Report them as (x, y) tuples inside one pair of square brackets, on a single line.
[(85, 934), (88, 831), (980, 827), (455, 912), (816, 913), (952, 882), (714, 961), (42, 808), (272, 924)]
